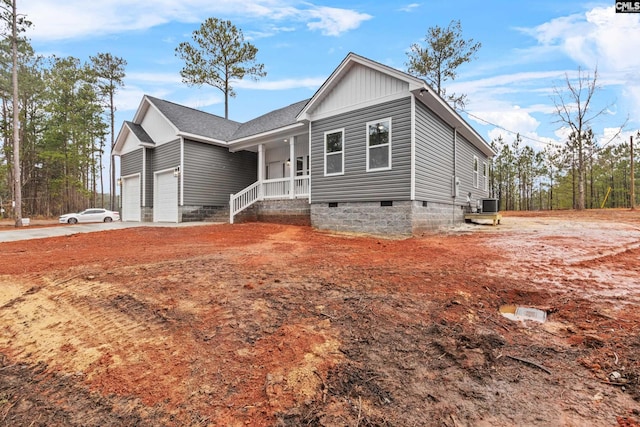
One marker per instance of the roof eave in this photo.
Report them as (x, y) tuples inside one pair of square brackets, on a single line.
[(252, 140), (205, 139), (122, 136)]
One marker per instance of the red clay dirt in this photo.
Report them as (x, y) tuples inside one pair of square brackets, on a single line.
[(263, 324)]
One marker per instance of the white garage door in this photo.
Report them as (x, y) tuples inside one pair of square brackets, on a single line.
[(165, 197), (131, 198)]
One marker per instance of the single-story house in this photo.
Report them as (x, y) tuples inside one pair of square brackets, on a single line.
[(375, 150)]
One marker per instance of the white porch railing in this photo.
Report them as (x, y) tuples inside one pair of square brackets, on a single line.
[(268, 189)]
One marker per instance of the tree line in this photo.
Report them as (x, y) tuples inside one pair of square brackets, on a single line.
[(524, 179), (66, 111), (66, 128)]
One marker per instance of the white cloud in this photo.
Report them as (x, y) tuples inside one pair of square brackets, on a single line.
[(507, 83), (522, 101), (333, 22), (72, 19), (597, 37), (410, 7)]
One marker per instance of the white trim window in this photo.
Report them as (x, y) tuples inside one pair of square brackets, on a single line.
[(334, 152), (485, 176), (379, 145), (476, 172)]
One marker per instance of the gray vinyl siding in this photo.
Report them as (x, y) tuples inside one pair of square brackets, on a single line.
[(162, 157), (464, 165), (166, 156), (212, 173), (434, 157), (131, 163), (357, 184)]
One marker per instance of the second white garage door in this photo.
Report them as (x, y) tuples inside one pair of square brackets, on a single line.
[(165, 197), (131, 198)]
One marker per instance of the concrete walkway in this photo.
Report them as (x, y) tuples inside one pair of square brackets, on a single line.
[(28, 233)]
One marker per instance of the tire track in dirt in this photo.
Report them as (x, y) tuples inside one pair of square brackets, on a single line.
[(72, 326)]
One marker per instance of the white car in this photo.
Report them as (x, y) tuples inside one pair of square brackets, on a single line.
[(90, 215)]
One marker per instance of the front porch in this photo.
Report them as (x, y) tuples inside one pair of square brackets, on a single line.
[(283, 173), (283, 189)]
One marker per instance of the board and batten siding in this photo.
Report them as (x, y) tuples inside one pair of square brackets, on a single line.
[(356, 184), (434, 157), (360, 85), (212, 173)]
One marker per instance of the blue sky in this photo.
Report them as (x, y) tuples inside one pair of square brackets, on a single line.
[(528, 48)]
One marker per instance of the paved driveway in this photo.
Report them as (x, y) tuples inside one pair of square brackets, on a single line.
[(27, 233)]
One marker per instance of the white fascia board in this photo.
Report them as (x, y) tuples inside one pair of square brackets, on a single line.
[(200, 138), (142, 109), (253, 140), (122, 136)]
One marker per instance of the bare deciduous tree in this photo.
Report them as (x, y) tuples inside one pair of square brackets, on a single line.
[(574, 108)]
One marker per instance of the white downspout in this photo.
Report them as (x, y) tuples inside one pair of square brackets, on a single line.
[(413, 148)]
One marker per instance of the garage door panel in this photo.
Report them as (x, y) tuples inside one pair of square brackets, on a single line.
[(131, 199), (165, 197)]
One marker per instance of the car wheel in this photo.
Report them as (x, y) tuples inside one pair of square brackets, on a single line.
[(72, 221), (108, 219)]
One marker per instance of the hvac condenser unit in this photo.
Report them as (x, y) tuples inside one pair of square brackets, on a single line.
[(490, 205)]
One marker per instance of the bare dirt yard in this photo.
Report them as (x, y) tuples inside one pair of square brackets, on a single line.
[(271, 325)]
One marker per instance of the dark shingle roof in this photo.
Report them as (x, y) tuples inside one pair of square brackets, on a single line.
[(196, 122), (273, 120), (139, 132)]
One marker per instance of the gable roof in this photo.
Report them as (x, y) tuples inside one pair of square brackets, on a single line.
[(347, 64), (195, 123), (418, 87), (273, 120), (139, 132), (202, 126)]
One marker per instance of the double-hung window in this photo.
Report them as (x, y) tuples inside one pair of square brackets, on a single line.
[(379, 145), (334, 152), (485, 176), (476, 172)]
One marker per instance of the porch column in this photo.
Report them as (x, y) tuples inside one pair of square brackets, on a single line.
[(260, 162), (292, 167)]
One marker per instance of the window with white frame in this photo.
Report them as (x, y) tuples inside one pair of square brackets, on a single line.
[(485, 176), (476, 172), (379, 145), (334, 152), (299, 166)]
